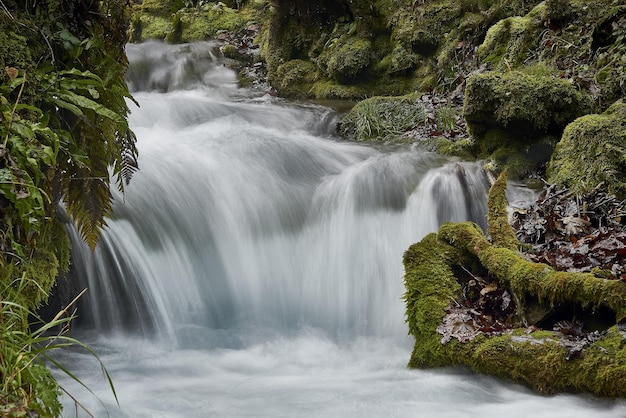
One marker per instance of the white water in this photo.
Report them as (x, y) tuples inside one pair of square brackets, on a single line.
[(253, 268)]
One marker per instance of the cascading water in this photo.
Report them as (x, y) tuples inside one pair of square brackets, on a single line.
[(253, 267)]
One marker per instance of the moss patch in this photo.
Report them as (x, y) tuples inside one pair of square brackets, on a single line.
[(294, 76), (408, 45), (593, 151), (348, 60), (431, 286), (510, 42), (499, 229)]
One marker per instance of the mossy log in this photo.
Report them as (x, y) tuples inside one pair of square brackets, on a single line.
[(544, 360)]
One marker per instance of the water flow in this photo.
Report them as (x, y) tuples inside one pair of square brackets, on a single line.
[(253, 267)]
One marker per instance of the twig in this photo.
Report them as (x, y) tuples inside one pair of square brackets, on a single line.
[(6, 10), (77, 402), (478, 279)]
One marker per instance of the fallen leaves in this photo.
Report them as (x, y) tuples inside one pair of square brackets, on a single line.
[(485, 308), (576, 233)]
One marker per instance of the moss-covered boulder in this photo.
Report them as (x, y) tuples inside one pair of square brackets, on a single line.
[(511, 41), (593, 151), (579, 39), (468, 303), (517, 117), (346, 59), (295, 76), (521, 103)]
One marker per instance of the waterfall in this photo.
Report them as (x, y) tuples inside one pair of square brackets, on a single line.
[(253, 266)]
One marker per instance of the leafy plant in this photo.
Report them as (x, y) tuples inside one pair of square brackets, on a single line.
[(63, 129), (26, 384), (446, 118)]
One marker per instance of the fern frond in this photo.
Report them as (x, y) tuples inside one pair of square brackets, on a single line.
[(88, 201), (126, 165)]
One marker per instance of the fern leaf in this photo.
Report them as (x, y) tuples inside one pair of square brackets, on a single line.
[(88, 201), (126, 165)]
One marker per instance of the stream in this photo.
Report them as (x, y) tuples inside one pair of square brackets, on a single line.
[(253, 267)]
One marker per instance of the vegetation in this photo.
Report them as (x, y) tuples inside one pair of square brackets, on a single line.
[(457, 272), (531, 73), (28, 388), (63, 125), (187, 21), (600, 139), (517, 117), (382, 118), (527, 68)]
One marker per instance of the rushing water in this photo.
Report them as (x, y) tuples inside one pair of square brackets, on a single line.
[(253, 267)]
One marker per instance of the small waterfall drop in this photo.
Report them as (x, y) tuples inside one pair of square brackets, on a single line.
[(242, 213), (254, 265)]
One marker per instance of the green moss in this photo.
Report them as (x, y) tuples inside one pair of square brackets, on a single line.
[(402, 60), (463, 148), (185, 24), (161, 8), (520, 101), (295, 76), (13, 53), (536, 279), (39, 270), (155, 27), (517, 117), (330, 89), (421, 30), (175, 35), (591, 151), (499, 229), (350, 60), (510, 41), (383, 118), (430, 287), (539, 359)]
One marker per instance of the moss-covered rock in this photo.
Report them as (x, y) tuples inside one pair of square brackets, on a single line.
[(511, 41), (422, 29), (295, 76), (593, 151), (345, 61), (407, 45), (149, 26), (517, 117), (438, 288), (521, 103)]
